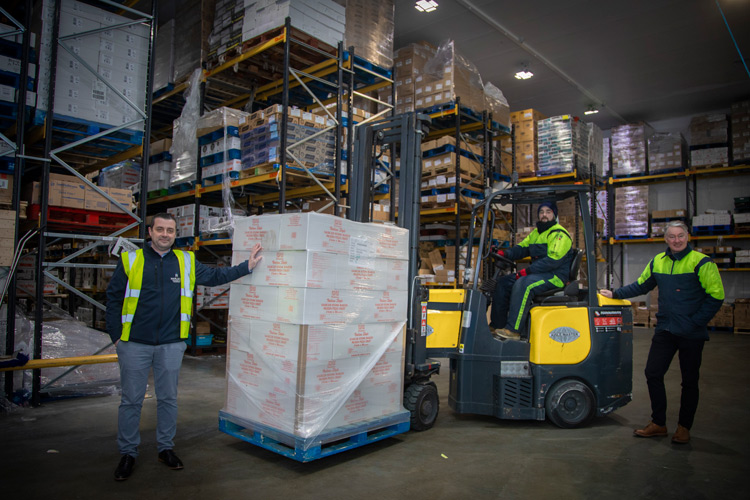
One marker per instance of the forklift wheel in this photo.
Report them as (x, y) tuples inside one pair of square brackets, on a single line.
[(421, 399), (569, 403)]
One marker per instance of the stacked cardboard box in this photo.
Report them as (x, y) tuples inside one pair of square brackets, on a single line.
[(447, 77), (193, 24), (212, 297), (596, 151), (742, 258), (742, 315), (563, 145), (159, 165), (653, 306), (208, 220), (6, 188), (261, 139), (606, 150), (640, 314), (709, 140), (8, 64), (219, 141), (667, 152), (7, 232), (740, 118), (123, 175), (629, 149), (118, 55), (164, 55), (660, 219), (526, 132), (724, 319), (322, 19), (631, 211), (713, 217), (316, 332), (369, 28), (409, 63)]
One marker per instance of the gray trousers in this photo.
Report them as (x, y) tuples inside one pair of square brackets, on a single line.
[(136, 361)]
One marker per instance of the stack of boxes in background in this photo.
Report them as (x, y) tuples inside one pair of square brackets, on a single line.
[(409, 64), (448, 76), (631, 211), (210, 218), (596, 151), (741, 216), (218, 135), (120, 56), (713, 221), (724, 319), (667, 152), (123, 175), (316, 333), (628, 147), (68, 191), (164, 55), (369, 29), (322, 19), (526, 131), (640, 314), (7, 234), (660, 219), (10, 70), (159, 165), (563, 144), (193, 21), (606, 148), (26, 281), (742, 315), (740, 118), (709, 141), (260, 140)]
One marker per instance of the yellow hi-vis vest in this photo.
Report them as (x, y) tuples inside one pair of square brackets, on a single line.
[(133, 262)]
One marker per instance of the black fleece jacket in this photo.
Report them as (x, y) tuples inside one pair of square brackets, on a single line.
[(157, 317)]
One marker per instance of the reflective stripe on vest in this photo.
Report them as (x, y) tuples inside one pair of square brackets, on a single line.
[(132, 263)]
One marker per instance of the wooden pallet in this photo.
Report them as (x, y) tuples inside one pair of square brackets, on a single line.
[(742, 331)]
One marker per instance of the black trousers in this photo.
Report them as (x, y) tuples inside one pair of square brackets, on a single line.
[(663, 347)]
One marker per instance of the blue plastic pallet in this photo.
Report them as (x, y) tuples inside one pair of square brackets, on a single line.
[(450, 148), (712, 230), (631, 236), (181, 187), (329, 443), (163, 156), (184, 241), (119, 140), (213, 159), (219, 178)]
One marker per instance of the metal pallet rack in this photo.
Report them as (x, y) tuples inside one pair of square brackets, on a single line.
[(60, 154)]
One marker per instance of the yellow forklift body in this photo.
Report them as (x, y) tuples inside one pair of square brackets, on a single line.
[(559, 335), (444, 310)]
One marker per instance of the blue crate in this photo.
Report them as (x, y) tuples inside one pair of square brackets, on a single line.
[(163, 156), (631, 236), (203, 340), (231, 154), (328, 443), (218, 134), (181, 187), (219, 178)]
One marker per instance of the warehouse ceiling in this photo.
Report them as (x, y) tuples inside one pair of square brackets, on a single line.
[(642, 59)]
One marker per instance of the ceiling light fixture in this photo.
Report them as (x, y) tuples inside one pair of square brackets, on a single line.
[(592, 110), (524, 74), (426, 5)]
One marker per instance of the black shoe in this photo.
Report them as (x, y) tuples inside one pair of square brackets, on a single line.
[(169, 458), (125, 468)]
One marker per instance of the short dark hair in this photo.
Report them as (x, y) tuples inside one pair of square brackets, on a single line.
[(164, 216)]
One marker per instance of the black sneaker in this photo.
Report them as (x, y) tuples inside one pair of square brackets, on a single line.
[(169, 458), (124, 468)]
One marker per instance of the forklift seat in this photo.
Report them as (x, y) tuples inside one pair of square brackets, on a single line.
[(567, 293)]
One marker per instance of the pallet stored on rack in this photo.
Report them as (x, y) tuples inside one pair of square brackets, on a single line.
[(85, 221)]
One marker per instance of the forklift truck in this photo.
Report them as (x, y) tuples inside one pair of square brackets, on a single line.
[(577, 361)]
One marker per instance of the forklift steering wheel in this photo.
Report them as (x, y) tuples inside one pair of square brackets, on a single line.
[(503, 260)]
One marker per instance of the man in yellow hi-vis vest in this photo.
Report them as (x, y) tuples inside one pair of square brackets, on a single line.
[(149, 306)]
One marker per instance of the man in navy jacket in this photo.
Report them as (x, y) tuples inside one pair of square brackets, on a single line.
[(149, 306), (690, 294)]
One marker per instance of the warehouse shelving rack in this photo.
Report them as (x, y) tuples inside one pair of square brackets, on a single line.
[(73, 155), (690, 177)]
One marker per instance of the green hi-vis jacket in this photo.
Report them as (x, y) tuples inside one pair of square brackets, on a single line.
[(690, 291), (549, 252)]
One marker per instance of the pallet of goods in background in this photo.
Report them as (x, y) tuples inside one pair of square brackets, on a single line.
[(709, 141), (740, 118)]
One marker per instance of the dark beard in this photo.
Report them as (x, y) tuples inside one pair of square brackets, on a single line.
[(543, 226)]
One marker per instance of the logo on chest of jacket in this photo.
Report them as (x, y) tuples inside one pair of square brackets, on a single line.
[(176, 278)]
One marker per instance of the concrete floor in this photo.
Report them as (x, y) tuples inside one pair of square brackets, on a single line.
[(461, 457)]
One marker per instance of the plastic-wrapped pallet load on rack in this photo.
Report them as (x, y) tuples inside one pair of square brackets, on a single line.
[(193, 22), (709, 140), (629, 149), (741, 132), (631, 211), (369, 28), (526, 132), (184, 141), (164, 55), (316, 343), (119, 56), (596, 151), (667, 152), (159, 165), (322, 19), (447, 76), (563, 144), (218, 135)]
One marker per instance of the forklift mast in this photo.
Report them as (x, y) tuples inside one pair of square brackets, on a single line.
[(401, 136)]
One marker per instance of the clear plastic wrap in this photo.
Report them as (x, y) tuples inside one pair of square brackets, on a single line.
[(369, 28), (596, 150), (121, 175), (497, 104), (563, 145), (316, 333), (448, 75), (631, 211), (667, 152), (184, 142), (629, 149), (62, 337)]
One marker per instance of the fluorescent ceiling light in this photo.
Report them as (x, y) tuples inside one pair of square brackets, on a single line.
[(426, 5), (524, 74), (591, 111)]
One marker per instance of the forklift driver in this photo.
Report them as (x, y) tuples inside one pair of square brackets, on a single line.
[(549, 246)]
